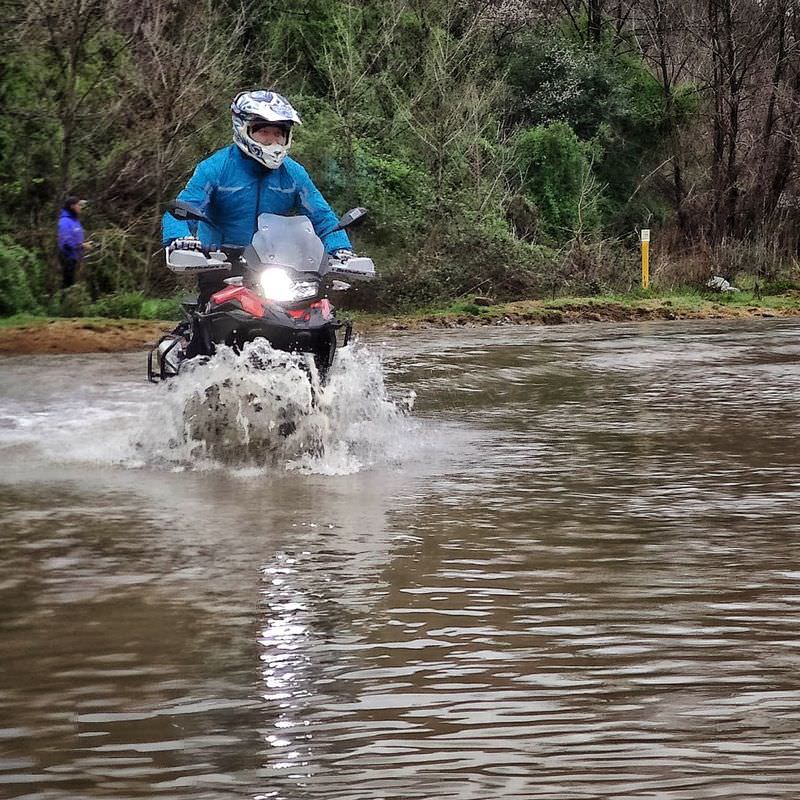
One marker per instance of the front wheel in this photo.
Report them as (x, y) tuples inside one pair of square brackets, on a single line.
[(324, 353)]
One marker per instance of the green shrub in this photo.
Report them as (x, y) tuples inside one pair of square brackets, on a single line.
[(75, 301), (127, 305), (471, 309), (21, 278), (463, 260), (160, 308), (612, 101), (121, 305), (557, 178), (780, 287)]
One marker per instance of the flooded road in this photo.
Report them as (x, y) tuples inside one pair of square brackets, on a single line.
[(573, 571)]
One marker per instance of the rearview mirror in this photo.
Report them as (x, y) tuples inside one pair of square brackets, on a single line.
[(182, 210), (352, 217)]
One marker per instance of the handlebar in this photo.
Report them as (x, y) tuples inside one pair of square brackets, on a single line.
[(232, 253), (231, 259)]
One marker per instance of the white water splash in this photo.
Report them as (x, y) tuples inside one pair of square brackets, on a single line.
[(265, 408)]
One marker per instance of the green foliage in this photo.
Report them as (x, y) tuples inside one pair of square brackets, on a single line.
[(613, 103), (124, 304), (780, 287), (134, 305), (160, 308), (553, 77), (457, 260), (114, 264), (21, 278), (58, 86), (556, 175), (466, 307), (75, 301), (515, 156), (397, 192)]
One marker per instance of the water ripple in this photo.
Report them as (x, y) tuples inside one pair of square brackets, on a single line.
[(584, 586)]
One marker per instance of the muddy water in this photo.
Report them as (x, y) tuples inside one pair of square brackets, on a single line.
[(572, 572)]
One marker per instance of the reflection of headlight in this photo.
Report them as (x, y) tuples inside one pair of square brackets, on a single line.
[(277, 284)]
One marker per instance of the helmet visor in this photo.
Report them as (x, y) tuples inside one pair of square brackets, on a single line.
[(268, 132)]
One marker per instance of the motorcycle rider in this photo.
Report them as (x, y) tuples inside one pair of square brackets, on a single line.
[(252, 176)]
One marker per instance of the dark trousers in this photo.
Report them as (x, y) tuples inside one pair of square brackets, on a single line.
[(210, 282), (69, 266)]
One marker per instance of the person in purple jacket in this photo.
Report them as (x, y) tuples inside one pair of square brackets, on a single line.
[(71, 240)]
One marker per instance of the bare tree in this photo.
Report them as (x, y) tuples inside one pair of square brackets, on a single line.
[(660, 29), (736, 34), (453, 99), (781, 124), (741, 55), (184, 70)]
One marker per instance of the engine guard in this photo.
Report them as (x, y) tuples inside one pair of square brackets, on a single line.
[(235, 330), (163, 359)]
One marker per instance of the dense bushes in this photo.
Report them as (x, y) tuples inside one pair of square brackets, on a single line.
[(556, 174), (511, 146), (21, 278), (76, 302)]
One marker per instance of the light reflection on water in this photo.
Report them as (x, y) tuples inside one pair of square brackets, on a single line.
[(580, 581), (284, 642)]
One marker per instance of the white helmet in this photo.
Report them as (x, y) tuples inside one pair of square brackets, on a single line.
[(249, 108)]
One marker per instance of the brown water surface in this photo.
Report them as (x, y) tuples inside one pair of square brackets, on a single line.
[(580, 579)]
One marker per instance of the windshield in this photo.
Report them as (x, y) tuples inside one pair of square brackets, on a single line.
[(286, 242)]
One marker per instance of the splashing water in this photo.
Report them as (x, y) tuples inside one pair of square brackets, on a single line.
[(267, 408)]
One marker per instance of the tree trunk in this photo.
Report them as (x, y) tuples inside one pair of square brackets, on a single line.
[(595, 21)]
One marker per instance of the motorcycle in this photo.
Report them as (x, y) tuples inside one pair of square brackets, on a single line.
[(277, 288)]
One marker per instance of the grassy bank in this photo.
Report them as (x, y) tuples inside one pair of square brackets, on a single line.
[(26, 333), (642, 305)]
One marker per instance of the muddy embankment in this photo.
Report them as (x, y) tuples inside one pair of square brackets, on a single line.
[(81, 336), (124, 335)]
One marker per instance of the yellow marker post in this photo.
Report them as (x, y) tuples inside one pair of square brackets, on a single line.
[(645, 258)]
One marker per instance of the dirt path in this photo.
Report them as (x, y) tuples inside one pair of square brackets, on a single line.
[(125, 335), (81, 336)]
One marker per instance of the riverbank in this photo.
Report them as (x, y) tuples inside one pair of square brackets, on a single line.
[(30, 335)]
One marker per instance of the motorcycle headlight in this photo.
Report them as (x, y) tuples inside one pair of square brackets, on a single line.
[(277, 284)]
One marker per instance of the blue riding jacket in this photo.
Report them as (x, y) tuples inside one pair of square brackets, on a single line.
[(232, 189)]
